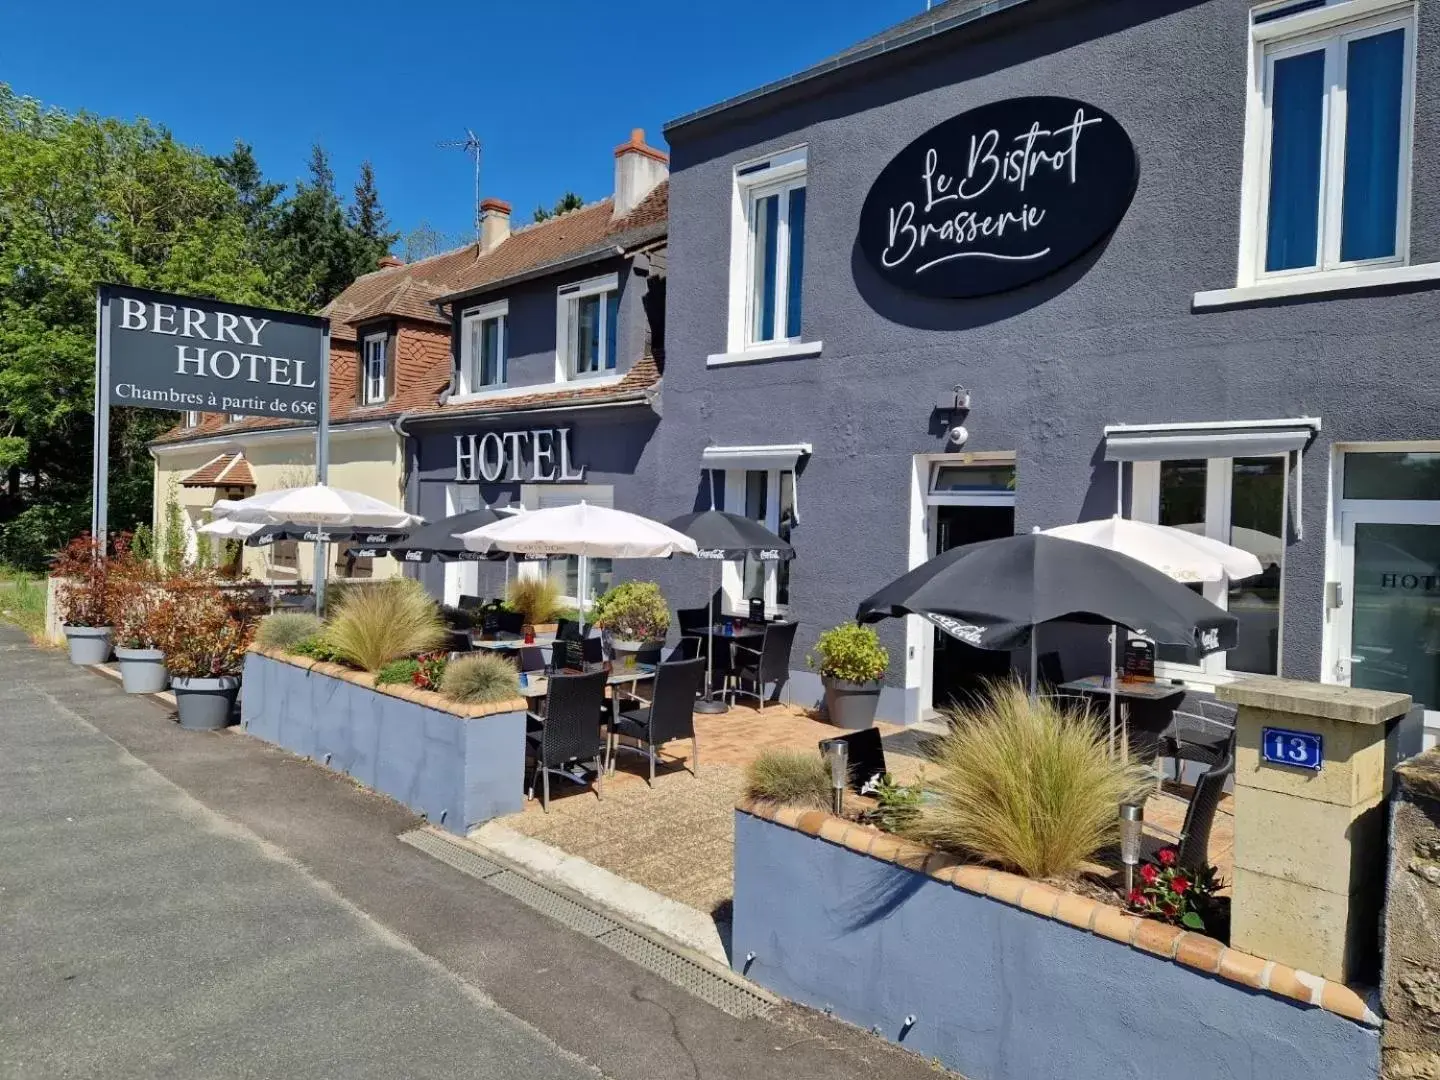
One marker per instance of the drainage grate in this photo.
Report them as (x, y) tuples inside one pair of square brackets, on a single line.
[(713, 989), (462, 859), (725, 992)]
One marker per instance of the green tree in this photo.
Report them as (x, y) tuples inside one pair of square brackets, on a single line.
[(371, 235), (563, 205), (87, 199)]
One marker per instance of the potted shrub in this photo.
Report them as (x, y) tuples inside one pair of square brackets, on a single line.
[(85, 600), (138, 596), (537, 600), (633, 616), (204, 637), (852, 662)]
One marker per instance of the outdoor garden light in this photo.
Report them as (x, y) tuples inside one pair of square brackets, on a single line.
[(837, 752), (1132, 824)]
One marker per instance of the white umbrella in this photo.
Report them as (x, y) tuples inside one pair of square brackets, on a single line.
[(230, 529), (1264, 546), (320, 504), (580, 529), (1176, 553)]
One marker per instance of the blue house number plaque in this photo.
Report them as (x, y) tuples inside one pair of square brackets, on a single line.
[(1298, 749)]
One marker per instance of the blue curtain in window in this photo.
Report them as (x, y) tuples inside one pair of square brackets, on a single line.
[(797, 262), (1375, 67), (612, 327), (1297, 101)]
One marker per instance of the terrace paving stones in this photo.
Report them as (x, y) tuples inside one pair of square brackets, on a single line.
[(290, 933)]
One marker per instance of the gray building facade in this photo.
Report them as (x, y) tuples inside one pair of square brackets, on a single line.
[(1247, 354)]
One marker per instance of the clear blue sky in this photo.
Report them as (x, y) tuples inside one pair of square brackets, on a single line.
[(550, 87)]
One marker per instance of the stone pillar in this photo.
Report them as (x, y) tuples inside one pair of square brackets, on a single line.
[(1310, 844), (1410, 986)]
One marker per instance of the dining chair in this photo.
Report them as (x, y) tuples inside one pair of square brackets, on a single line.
[(530, 658), (669, 715), (693, 621), (1201, 735), (569, 630), (768, 664), (567, 732), (1194, 847), (509, 622), (470, 603)]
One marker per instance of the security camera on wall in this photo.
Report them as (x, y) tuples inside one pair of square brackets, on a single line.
[(958, 435)]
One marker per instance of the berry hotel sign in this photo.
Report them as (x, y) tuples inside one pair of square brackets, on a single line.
[(998, 197), (181, 352)]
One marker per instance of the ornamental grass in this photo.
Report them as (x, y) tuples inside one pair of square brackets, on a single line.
[(1029, 786), (286, 629), (537, 599), (385, 622), (789, 778), (479, 680)]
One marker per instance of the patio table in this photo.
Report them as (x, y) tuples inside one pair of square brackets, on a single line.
[(1146, 708), (509, 644), (540, 686)]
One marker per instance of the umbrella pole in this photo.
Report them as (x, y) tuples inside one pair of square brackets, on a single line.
[(1033, 630), (1114, 652), (710, 705)]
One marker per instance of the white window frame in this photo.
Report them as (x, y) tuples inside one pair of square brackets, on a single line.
[(462, 577), (236, 417), (530, 496), (192, 418), (732, 571), (780, 174), (570, 294), (372, 392), (472, 320), (1335, 24), (1219, 481)]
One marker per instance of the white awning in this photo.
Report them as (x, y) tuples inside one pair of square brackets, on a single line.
[(1172, 442), (779, 456)]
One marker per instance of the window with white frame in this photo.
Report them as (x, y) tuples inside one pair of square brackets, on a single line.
[(483, 347), (375, 382), (236, 417), (192, 418), (564, 570), (587, 332), (1237, 501), (766, 496), (768, 251), (1327, 169)]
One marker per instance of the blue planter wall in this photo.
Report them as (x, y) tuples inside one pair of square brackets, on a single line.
[(999, 993), (458, 771)]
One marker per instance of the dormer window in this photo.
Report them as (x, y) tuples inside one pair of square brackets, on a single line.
[(375, 369), (483, 345), (587, 330)]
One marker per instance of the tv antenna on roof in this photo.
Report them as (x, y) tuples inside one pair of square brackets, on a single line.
[(471, 145)]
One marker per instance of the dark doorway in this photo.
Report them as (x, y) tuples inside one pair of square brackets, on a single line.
[(960, 670)]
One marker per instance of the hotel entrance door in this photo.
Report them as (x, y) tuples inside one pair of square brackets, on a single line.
[(961, 670)]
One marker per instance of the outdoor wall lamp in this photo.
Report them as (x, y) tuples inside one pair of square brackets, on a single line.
[(837, 753), (953, 408), (1132, 824)]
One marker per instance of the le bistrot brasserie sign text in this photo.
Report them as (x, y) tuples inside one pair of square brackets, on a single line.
[(180, 352), (999, 196)]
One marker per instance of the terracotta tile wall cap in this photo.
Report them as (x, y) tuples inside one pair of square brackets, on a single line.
[(810, 822), (1241, 968), (834, 829), (1006, 887), (1157, 938), (1074, 910), (1040, 899), (971, 878), (1200, 952)]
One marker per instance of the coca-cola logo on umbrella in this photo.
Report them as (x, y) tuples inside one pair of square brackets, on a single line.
[(998, 197)]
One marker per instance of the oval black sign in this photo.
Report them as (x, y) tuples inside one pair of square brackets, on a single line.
[(999, 196)]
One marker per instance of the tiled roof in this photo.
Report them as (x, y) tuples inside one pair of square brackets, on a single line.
[(636, 385), (226, 470)]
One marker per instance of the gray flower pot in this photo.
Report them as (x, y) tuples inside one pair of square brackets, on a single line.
[(142, 671), (624, 652), (205, 704), (88, 644), (849, 705)]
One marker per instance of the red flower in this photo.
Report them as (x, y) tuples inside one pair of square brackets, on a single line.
[(1149, 874), (1167, 856), (1137, 898), (1179, 883), (1168, 910)]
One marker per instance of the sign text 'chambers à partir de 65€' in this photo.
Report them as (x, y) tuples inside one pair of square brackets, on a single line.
[(180, 352)]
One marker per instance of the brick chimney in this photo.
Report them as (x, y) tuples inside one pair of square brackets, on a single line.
[(494, 224), (389, 262), (638, 170)]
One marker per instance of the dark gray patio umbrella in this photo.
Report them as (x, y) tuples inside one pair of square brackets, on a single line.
[(993, 594), (370, 537), (437, 539), (720, 536)]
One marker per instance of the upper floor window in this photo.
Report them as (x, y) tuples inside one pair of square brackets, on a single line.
[(236, 417), (587, 333), (768, 251), (483, 345), (376, 369), (1328, 151), (192, 418)]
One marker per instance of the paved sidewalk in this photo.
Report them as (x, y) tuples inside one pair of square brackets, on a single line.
[(192, 904)]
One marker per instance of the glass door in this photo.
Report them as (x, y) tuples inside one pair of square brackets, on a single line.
[(1388, 632)]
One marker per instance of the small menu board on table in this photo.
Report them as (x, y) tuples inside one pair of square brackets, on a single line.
[(757, 610), (1139, 664)]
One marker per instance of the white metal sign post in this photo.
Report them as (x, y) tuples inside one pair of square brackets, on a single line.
[(161, 351)]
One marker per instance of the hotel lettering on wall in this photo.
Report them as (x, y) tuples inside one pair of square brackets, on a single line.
[(537, 455), (183, 353), (998, 197)]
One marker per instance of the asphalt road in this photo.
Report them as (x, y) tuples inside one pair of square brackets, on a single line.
[(179, 904)]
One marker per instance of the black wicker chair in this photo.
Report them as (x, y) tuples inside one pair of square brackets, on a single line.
[(1202, 736), (568, 731), (768, 664), (471, 603), (569, 630), (670, 714), (1194, 853), (687, 648), (693, 621), (530, 658)]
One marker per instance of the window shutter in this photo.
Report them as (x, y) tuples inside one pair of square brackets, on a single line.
[(570, 494)]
